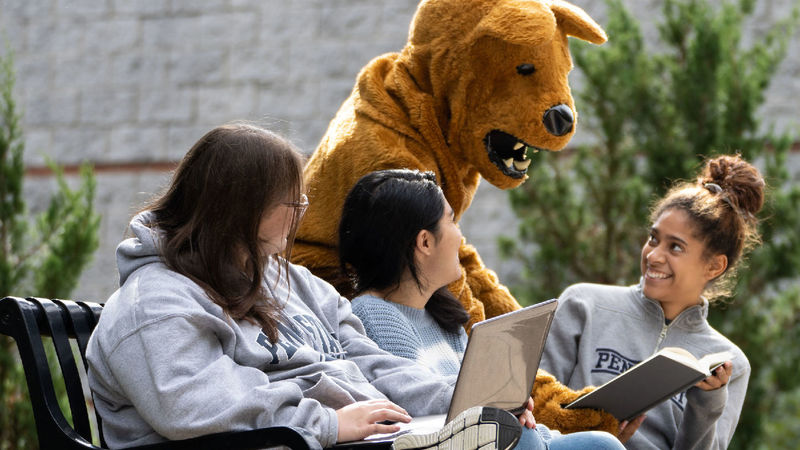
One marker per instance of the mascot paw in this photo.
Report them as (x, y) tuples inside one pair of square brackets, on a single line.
[(548, 396)]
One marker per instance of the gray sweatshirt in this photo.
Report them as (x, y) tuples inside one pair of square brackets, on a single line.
[(165, 362), (600, 331)]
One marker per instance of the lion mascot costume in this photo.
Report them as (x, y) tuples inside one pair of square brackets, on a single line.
[(479, 88)]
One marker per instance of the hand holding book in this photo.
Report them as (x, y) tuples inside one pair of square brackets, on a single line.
[(719, 377), (628, 427), (669, 371)]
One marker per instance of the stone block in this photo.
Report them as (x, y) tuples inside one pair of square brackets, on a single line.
[(108, 106), (135, 69), (32, 74), (79, 71), (354, 20), (136, 143), (259, 64), (25, 10), (214, 32), (194, 8), (162, 33), (83, 10), (76, 145), (291, 101), (276, 26), (55, 37), (224, 104), (175, 105), (225, 30), (193, 67), (140, 8), (302, 21), (111, 36), (322, 62), (47, 108)]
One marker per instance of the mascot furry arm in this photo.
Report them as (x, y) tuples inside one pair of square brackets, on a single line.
[(478, 88)]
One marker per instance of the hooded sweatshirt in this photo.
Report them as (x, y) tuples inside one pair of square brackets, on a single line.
[(165, 361), (600, 331)]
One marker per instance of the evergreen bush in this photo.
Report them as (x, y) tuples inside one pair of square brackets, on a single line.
[(40, 255)]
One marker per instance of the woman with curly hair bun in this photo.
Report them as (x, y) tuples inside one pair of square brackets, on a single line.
[(699, 233)]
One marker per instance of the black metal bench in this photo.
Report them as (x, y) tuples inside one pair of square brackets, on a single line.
[(28, 320)]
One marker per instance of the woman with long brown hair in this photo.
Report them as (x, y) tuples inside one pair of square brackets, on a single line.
[(212, 329)]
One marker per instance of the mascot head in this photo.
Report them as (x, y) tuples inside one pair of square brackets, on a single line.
[(497, 73)]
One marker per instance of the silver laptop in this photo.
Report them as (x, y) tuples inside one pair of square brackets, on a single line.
[(501, 360), (498, 369)]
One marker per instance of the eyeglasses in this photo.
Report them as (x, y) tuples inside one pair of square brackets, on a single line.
[(300, 207)]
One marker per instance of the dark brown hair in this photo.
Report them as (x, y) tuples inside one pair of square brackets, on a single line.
[(722, 204), (211, 211)]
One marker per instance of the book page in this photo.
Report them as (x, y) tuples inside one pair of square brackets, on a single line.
[(682, 356), (704, 364), (714, 360)]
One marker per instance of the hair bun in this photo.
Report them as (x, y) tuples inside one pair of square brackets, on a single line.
[(741, 183)]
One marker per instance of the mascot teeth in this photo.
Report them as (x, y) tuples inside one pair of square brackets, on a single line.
[(509, 153), (522, 165)]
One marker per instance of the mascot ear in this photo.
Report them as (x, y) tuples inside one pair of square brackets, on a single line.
[(520, 22), (575, 22)]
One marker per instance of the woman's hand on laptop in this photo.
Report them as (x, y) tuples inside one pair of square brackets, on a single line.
[(526, 418), (361, 419)]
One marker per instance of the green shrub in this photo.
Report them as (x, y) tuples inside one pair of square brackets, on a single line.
[(39, 256)]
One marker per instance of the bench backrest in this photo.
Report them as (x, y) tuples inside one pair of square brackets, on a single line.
[(27, 321)]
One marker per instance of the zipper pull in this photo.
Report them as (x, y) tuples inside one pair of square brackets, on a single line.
[(662, 335)]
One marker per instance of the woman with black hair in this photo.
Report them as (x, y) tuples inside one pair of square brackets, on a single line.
[(398, 242)]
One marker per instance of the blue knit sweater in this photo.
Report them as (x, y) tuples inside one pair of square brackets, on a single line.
[(411, 333)]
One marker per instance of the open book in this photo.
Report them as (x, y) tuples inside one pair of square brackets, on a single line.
[(669, 371)]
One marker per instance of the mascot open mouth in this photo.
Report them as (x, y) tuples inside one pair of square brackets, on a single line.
[(508, 153)]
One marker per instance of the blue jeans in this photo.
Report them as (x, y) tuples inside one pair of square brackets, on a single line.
[(541, 438)]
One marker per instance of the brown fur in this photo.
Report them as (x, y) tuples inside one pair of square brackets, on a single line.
[(548, 396), (431, 106)]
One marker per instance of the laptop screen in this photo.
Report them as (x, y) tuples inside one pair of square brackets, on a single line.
[(501, 360)]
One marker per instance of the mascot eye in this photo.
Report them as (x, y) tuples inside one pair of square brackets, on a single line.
[(526, 69)]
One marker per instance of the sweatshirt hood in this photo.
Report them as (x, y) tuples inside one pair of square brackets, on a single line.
[(140, 250)]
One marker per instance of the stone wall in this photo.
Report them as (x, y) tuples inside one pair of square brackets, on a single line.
[(129, 85)]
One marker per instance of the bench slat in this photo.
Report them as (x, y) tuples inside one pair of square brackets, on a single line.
[(56, 323)]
